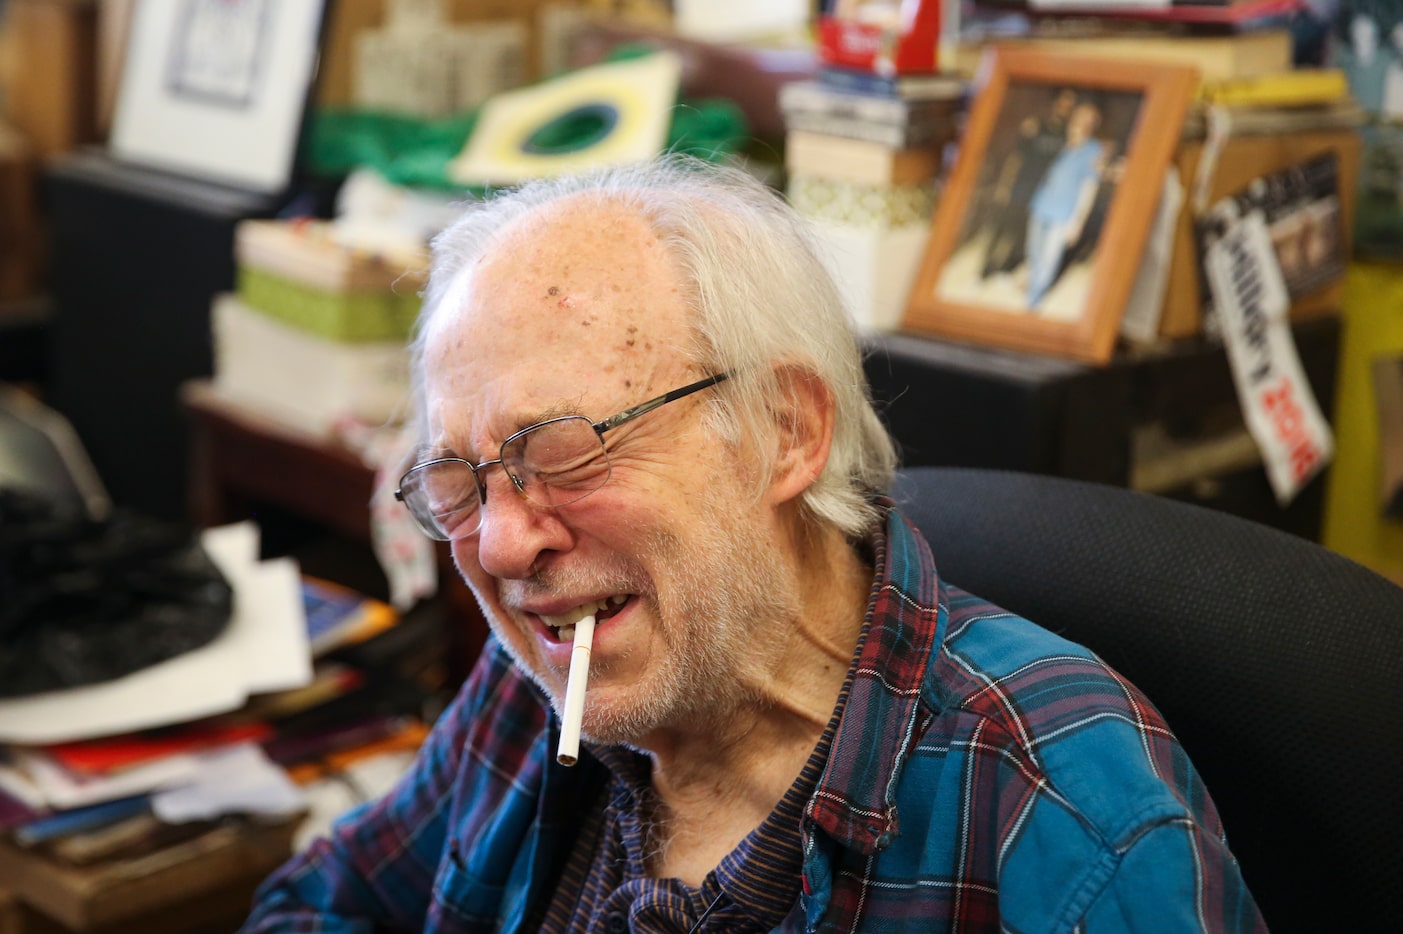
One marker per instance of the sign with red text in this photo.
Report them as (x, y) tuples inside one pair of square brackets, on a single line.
[(1251, 300)]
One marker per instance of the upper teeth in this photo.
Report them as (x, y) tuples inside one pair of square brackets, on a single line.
[(591, 608)]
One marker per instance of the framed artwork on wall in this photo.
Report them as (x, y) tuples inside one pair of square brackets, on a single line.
[(1038, 235), (217, 89)]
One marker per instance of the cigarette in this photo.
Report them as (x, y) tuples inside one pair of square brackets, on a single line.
[(569, 751)]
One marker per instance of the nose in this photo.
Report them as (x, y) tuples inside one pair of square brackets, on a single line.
[(515, 532)]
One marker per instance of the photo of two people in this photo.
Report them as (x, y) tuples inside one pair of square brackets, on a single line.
[(1033, 223)]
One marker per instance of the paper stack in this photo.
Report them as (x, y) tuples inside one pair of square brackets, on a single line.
[(317, 329), (863, 154), (306, 694)]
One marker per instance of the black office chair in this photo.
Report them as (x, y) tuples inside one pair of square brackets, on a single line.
[(1277, 662)]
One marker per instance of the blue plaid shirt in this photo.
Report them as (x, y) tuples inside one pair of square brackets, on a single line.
[(985, 775)]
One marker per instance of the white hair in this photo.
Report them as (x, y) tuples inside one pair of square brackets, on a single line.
[(760, 295)]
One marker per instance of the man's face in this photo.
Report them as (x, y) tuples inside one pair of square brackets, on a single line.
[(1082, 123), (581, 313)]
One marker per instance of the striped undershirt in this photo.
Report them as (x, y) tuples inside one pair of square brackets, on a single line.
[(605, 884)]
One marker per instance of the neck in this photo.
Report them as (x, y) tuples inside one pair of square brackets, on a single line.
[(716, 781)]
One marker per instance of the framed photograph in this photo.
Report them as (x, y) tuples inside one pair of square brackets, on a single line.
[(216, 89), (1039, 232)]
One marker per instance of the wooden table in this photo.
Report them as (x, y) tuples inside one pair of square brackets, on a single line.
[(247, 465)]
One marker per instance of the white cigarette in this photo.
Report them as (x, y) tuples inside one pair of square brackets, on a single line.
[(574, 712)]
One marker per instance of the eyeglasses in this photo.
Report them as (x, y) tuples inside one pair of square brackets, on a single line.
[(554, 463)]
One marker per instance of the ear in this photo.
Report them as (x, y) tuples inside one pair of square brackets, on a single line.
[(802, 409)]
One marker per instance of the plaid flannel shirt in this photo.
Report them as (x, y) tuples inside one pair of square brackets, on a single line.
[(986, 775)]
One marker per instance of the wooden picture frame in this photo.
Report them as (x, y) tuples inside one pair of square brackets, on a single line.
[(1037, 239)]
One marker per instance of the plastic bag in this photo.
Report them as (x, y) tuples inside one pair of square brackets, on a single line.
[(85, 601)]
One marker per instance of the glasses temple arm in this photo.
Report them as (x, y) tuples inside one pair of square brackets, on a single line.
[(643, 408)]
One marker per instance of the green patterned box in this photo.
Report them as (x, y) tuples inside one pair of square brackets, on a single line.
[(351, 316), (859, 204)]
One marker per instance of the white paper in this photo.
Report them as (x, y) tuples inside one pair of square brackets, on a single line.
[(1145, 306), (272, 633), (237, 779), (240, 129), (739, 20), (1278, 405), (363, 780), (63, 790), (263, 648)]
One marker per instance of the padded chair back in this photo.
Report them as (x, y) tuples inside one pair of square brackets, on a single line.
[(1277, 662)]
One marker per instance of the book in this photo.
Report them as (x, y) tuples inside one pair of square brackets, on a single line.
[(1298, 87), (128, 749), (822, 155), (816, 97), (1345, 114), (896, 137), (1192, 12), (338, 616), (302, 379), (308, 252), (1217, 57), (919, 86), (1244, 159)]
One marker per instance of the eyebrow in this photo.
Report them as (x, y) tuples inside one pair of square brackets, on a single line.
[(426, 451)]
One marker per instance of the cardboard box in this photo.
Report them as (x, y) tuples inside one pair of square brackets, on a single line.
[(1243, 159), (176, 888), (51, 90), (348, 19), (21, 245)]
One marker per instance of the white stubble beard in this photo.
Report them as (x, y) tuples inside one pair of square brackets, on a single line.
[(727, 604)]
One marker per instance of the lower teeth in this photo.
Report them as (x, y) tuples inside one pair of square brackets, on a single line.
[(567, 634)]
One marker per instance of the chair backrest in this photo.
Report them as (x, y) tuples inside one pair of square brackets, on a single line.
[(1277, 662)]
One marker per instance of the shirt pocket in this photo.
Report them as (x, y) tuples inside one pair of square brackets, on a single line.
[(462, 901)]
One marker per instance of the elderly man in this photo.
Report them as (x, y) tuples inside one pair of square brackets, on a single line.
[(642, 404)]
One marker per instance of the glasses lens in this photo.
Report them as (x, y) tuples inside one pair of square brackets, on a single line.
[(557, 462), (443, 498)]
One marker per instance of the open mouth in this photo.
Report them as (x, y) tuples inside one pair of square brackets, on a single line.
[(562, 625)]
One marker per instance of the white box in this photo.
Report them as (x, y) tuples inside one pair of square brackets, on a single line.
[(304, 380)]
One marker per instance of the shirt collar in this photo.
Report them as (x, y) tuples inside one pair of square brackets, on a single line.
[(906, 617), (874, 721)]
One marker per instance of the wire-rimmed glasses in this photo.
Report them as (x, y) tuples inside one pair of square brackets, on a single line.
[(553, 463)]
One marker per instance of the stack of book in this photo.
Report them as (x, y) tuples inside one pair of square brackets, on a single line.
[(863, 155), (316, 330), (1290, 147), (98, 828)]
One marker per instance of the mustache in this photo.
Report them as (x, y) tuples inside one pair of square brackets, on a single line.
[(553, 581)]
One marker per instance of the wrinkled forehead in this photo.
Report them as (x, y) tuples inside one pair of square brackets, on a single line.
[(582, 290)]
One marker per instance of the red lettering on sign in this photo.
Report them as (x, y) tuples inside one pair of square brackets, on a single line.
[(1289, 422)]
